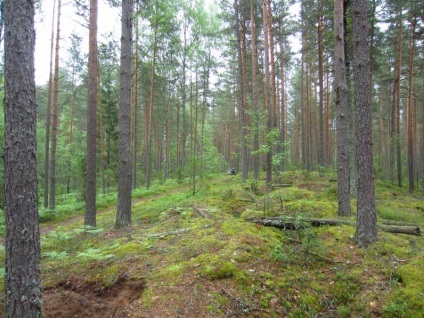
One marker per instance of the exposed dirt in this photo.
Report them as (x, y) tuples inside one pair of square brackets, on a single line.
[(75, 297)]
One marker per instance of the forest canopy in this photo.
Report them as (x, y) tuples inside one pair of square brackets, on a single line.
[(227, 84)]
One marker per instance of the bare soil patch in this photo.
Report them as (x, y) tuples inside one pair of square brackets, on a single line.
[(76, 297)]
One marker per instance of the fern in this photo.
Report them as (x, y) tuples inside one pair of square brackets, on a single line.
[(56, 255), (94, 253)]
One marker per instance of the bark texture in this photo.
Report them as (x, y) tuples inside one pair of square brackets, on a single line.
[(123, 216), (23, 281), (366, 226), (90, 192), (342, 109), (52, 174)]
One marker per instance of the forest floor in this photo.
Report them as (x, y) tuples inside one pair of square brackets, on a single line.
[(197, 255)]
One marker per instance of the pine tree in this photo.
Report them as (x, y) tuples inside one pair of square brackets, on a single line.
[(52, 168), (90, 192), (123, 216), (366, 225), (23, 257), (342, 108)]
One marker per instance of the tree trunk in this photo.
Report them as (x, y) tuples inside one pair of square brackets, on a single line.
[(409, 122), (91, 184), (352, 126), (366, 226), (255, 99), (342, 108), (183, 116), (206, 72), (243, 100), (321, 160), (52, 174), (267, 93), (283, 116), (101, 133), (135, 106), (273, 85), (149, 122), (123, 216), (23, 257), (71, 131), (395, 152), (302, 110), (240, 32), (422, 126), (48, 117)]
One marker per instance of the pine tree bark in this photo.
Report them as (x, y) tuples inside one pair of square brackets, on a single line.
[(422, 125), (409, 122), (342, 109), (283, 112), (52, 174), (352, 126), (243, 97), (149, 117), (395, 148), (48, 116), (91, 184), (135, 106), (255, 98), (366, 227), (23, 259), (123, 216), (206, 76), (267, 93), (101, 133), (321, 158), (273, 84), (71, 131)]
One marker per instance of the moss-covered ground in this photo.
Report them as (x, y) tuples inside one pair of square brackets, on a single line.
[(172, 262)]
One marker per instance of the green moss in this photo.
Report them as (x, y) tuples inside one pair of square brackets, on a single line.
[(147, 297), (205, 242), (107, 276), (344, 288), (309, 302), (227, 247), (218, 270), (130, 248), (266, 299), (171, 274), (344, 311), (395, 309), (393, 213), (219, 301), (393, 245), (412, 291), (241, 278), (249, 213)]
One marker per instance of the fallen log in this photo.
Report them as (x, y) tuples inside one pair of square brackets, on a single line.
[(411, 230), (291, 223), (282, 185), (390, 222), (165, 234), (201, 212)]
